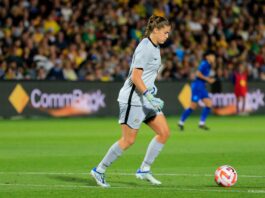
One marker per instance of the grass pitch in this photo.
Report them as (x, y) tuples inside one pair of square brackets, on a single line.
[(53, 158)]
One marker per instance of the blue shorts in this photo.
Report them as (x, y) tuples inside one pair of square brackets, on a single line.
[(198, 93)]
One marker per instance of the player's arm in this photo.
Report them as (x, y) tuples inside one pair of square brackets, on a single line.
[(207, 79), (141, 87), (137, 80)]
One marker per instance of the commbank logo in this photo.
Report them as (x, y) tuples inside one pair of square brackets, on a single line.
[(19, 98), (185, 96), (74, 102)]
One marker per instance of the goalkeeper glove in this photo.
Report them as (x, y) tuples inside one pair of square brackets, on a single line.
[(157, 103)]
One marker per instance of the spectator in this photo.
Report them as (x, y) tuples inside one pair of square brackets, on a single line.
[(68, 71), (98, 36), (41, 74), (56, 73)]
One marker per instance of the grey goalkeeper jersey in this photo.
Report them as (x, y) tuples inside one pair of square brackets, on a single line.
[(147, 57)]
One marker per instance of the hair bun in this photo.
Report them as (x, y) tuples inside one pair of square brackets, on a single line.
[(155, 22)]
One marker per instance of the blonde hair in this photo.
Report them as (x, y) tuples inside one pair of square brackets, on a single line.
[(155, 22)]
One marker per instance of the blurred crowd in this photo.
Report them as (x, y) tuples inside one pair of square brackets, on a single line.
[(94, 40)]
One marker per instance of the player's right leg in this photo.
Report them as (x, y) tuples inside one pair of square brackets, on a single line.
[(116, 150), (244, 105), (195, 97), (129, 132), (186, 114)]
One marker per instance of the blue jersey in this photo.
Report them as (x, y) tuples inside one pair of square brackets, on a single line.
[(198, 87), (205, 69)]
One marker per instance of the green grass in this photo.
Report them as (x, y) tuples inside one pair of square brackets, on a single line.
[(52, 158)]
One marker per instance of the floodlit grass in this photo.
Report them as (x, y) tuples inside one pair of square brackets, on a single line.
[(53, 158)]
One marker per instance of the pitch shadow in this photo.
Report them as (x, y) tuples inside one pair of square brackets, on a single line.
[(72, 179)]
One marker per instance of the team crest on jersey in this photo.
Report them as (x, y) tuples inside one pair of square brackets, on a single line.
[(136, 120)]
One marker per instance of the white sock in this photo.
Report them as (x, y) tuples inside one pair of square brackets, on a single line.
[(181, 122), (152, 152), (201, 123), (113, 153)]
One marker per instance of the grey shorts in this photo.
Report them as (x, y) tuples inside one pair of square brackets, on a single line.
[(133, 116)]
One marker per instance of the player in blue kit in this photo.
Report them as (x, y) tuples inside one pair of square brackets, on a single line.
[(199, 91)]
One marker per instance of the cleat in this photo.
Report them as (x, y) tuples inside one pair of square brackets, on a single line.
[(181, 127), (147, 175), (203, 127), (99, 177)]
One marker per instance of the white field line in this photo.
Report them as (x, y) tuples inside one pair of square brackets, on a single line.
[(124, 174), (138, 188)]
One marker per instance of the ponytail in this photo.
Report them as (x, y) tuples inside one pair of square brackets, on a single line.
[(155, 22)]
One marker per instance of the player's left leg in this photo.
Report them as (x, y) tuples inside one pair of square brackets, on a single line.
[(205, 112), (160, 127), (243, 104)]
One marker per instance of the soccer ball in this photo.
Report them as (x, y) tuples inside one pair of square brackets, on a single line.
[(225, 176)]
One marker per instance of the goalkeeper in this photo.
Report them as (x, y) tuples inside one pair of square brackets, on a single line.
[(138, 104)]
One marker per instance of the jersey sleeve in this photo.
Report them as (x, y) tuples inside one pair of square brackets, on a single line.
[(141, 57), (202, 67)]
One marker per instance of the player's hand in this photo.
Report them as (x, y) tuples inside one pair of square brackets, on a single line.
[(157, 103), (211, 80)]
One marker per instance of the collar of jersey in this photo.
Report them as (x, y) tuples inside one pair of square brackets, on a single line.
[(152, 42)]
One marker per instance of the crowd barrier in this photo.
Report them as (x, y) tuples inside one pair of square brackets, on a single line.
[(65, 99)]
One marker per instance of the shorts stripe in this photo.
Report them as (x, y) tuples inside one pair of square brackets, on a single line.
[(129, 104)]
